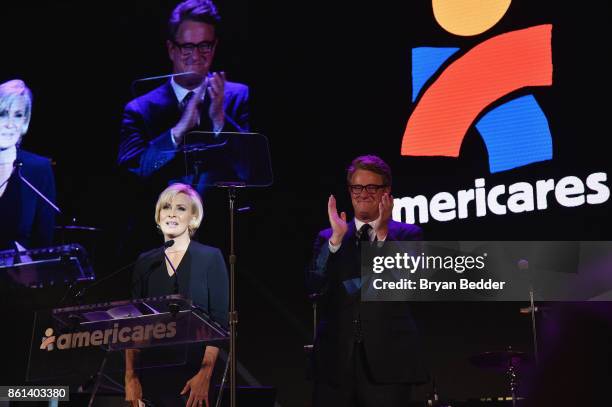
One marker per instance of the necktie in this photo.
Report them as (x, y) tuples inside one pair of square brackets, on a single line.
[(185, 101), (364, 233)]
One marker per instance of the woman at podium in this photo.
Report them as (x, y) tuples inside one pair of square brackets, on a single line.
[(26, 219), (195, 271)]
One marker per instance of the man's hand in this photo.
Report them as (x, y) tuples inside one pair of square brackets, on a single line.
[(216, 91), (385, 209), (191, 115), (197, 387), (338, 223), (133, 388)]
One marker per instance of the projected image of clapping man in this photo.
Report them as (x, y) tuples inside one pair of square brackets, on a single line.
[(155, 126), (158, 121)]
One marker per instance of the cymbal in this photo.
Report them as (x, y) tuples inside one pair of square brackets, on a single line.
[(499, 359), (78, 227)]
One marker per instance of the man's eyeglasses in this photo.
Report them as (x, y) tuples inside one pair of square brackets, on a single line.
[(356, 189), (187, 48)]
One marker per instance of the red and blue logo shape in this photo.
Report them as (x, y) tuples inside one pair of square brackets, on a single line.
[(468, 91)]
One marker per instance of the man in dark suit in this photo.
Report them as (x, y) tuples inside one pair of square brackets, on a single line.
[(155, 124), (366, 353)]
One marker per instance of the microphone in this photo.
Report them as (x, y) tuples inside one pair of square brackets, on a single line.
[(17, 165), (168, 244), (205, 83), (145, 276), (173, 305), (153, 78), (82, 292), (171, 75)]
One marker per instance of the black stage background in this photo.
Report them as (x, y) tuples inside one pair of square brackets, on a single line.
[(328, 81)]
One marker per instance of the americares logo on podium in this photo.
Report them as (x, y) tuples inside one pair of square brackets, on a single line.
[(112, 335)]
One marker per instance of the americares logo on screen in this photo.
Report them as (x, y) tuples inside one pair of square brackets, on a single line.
[(515, 133)]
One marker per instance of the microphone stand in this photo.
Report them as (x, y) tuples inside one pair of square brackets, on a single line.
[(233, 313), (533, 325), (237, 180), (523, 265)]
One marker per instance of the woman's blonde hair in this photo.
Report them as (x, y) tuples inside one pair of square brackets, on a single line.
[(197, 210), (12, 90)]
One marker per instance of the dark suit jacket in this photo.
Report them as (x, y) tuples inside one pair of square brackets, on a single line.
[(390, 337), (145, 147), (202, 278), (24, 216)]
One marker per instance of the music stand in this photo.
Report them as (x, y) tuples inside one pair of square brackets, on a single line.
[(231, 161)]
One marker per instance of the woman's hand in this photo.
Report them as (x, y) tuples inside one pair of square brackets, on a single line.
[(133, 389), (198, 387)]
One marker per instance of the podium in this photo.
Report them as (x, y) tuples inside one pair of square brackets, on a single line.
[(82, 345), (45, 266)]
